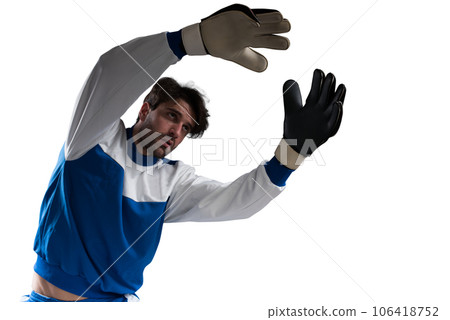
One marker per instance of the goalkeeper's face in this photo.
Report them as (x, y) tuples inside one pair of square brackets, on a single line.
[(161, 130)]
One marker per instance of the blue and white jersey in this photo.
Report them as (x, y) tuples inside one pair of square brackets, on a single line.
[(102, 216)]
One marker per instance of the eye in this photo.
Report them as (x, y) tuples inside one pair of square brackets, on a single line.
[(172, 115), (186, 128)]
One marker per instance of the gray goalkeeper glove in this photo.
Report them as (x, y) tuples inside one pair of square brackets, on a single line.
[(230, 32)]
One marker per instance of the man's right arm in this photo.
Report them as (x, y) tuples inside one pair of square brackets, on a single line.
[(122, 74)]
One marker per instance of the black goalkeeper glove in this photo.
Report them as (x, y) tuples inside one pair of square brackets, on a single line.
[(308, 127)]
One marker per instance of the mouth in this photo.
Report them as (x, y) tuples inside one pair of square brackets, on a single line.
[(165, 145), (168, 144), (152, 140)]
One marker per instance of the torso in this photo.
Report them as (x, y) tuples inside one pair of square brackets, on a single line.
[(45, 288)]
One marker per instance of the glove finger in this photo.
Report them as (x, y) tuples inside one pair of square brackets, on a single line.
[(251, 59), (270, 42), (327, 90), (336, 118), (235, 7), (340, 94), (274, 28), (316, 86), (292, 97), (267, 15)]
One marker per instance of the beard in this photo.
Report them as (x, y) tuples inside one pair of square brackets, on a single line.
[(153, 143)]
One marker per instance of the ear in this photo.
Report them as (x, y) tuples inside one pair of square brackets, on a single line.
[(143, 113)]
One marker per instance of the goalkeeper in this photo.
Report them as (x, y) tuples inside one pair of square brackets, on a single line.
[(113, 187)]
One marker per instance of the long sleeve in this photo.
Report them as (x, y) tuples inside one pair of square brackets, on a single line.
[(120, 76), (197, 198)]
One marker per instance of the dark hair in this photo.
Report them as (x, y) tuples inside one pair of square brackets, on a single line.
[(168, 89)]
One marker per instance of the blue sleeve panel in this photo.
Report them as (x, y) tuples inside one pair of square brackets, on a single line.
[(176, 43), (277, 173)]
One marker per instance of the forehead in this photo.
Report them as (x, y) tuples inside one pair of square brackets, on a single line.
[(182, 108)]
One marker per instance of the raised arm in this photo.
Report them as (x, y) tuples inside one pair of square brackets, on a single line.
[(122, 74), (305, 129)]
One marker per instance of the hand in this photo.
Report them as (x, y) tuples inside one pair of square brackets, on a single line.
[(229, 33), (310, 126)]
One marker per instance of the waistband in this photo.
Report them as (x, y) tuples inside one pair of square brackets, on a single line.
[(36, 297), (73, 284)]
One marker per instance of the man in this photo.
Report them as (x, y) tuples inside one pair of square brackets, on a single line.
[(112, 188)]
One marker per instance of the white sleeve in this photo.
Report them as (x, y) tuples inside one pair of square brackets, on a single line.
[(120, 76), (197, 198)]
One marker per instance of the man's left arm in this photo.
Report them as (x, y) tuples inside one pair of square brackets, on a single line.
[(306, 127), (197, 198)]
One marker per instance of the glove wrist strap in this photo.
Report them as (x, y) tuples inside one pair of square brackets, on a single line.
[(192, 40), (287, 156)]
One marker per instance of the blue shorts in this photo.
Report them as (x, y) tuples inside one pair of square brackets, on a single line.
[(36, 297)]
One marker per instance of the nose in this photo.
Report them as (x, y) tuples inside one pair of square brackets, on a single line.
[(175, 130)]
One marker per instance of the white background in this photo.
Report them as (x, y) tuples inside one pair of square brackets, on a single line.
[(363, 225)]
